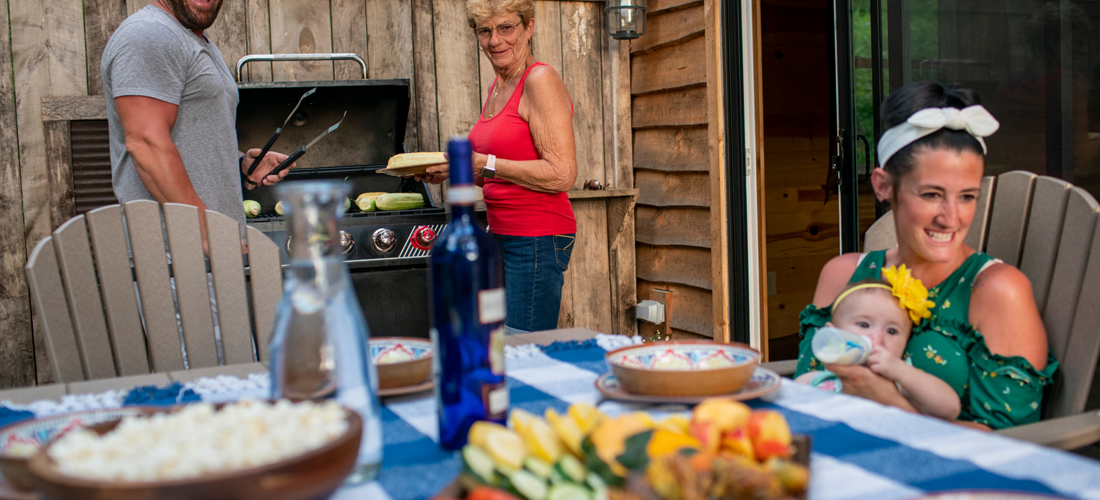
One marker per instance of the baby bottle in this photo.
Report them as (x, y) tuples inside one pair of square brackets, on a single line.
[(833, 345)]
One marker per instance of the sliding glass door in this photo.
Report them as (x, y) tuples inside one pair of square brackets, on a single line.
[(1035, 64)]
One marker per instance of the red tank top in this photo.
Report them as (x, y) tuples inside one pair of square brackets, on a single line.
[(514, 210)]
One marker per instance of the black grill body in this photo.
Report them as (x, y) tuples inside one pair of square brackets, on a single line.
[(391, 284)]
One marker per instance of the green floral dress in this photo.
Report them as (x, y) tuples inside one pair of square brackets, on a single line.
[(995, 390)]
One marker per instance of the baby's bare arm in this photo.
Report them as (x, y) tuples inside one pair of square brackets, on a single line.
[(930, 394)]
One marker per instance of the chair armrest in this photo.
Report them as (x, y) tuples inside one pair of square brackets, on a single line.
[(784, 368), (1067, 433)]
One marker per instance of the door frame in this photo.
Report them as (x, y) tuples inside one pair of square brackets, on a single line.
[(742, 229)]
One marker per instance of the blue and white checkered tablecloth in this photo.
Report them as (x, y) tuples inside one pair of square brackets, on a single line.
[(861, 450)]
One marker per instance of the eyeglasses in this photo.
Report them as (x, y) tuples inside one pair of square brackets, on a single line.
[(504, 29)]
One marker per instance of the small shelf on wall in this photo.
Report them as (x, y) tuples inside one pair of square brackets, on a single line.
[(603, 193)]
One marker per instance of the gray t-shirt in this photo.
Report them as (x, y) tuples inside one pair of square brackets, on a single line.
[(152, 55)]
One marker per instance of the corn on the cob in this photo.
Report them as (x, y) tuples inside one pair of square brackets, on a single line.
[(399, 201), (251, 208), (365, 201), (413, 159)]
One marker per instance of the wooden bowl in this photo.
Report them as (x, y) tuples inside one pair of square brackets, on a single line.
[(37, 433), (315, 474), (683, 367), (401, 361)]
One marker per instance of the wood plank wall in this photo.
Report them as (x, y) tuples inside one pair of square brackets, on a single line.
[(55, 47), (672, 163), (802, 230)]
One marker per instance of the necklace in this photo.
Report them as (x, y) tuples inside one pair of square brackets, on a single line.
[(497, 87)]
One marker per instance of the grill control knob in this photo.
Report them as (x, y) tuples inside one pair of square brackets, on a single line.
[(347, 242), (384, 240), (424, 237)]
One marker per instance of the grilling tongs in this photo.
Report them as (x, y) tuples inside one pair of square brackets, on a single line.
[(302, 150), (275, 136)]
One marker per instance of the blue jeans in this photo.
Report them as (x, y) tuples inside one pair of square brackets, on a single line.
[(533, 277)]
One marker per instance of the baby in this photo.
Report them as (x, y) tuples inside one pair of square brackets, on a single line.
[(872, 309)]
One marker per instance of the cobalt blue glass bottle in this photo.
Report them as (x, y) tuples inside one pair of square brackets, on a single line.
[(467, 312)]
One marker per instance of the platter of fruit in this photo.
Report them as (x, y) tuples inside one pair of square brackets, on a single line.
[(723, 450)]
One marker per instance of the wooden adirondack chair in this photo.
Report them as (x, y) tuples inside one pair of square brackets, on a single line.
[(82, 285), (1048, 229)]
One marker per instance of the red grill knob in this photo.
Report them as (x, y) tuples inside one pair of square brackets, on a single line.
[(423, 237)]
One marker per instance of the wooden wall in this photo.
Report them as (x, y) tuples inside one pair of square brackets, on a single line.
[(802, 229), (673, 146), (54, 50)]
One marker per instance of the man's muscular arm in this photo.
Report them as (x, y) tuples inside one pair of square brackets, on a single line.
[(147, 125)]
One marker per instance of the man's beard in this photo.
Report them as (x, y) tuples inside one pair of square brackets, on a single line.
[(190, 18)]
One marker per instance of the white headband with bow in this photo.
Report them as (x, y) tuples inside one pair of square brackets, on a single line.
[(975, 119)]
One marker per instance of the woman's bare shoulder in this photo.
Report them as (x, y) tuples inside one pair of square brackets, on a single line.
[(834, 277), (1002, 308), (544, 82)]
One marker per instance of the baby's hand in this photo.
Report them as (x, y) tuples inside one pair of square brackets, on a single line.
[(885, 363)]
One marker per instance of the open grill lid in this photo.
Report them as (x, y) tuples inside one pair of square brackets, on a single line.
[(373, 131)]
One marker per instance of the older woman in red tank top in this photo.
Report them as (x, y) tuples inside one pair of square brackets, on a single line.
[(525, 160)]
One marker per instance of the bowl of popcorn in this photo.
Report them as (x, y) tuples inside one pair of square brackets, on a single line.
[(401, 361), (673, 368), (249, 449), (21, 440)]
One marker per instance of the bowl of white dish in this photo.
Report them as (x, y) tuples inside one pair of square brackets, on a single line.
[(683, 367)]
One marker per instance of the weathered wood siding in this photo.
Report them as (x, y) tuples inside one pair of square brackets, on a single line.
[(673, 161), (802, 229), (54, 49)]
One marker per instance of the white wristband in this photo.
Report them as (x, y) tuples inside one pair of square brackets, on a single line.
[(491, 166)]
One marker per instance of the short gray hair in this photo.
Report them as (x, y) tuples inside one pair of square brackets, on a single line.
[(480, 10)]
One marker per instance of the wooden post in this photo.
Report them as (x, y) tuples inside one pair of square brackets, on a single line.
[(716, 102), (16, 341)]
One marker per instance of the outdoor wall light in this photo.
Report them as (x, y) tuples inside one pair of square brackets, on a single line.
[(625, 18)]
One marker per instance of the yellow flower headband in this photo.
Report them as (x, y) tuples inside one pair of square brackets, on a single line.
[(911, 293)]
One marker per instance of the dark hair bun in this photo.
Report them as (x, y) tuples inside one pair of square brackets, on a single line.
[(903, 102)]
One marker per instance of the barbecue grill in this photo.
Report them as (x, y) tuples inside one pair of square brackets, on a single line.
[(386, 252)]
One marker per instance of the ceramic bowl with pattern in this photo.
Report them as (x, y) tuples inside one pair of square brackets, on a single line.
[(401, 361), (21, 440), (683, 367)]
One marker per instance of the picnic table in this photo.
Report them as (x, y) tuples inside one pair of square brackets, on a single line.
[(860, 449)]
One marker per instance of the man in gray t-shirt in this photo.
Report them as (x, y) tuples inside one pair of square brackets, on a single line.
[(172, 109)]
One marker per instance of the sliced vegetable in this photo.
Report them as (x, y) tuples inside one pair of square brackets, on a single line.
[(557, 477), (279, 208), (539, 467), (599, 488), (251, 208), (572, 469), (540, 439), (347, 203), (586, 417), (568, 491), (479, 464), (480, 430), (506, 448), (527, 485), (399, 201), (566, 429)]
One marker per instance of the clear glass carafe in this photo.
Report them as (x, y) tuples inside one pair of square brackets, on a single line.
[(319, 348)]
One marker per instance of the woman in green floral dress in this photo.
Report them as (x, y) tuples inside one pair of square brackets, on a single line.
[(985, 337)]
